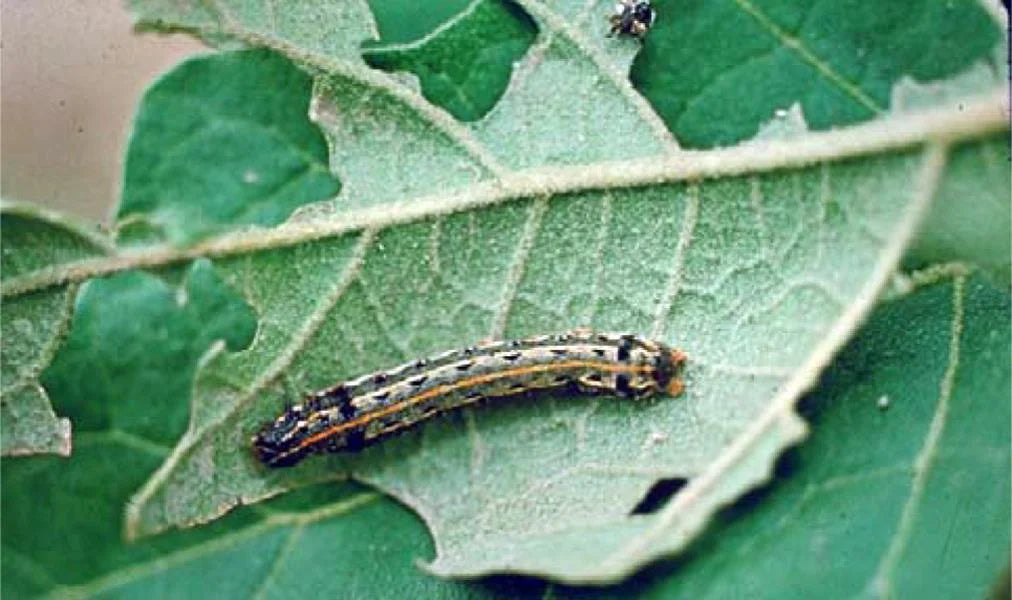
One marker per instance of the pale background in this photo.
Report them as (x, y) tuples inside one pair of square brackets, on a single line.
[(71, 75)]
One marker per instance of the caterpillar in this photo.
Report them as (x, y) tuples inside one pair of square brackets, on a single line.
[(358, 412)]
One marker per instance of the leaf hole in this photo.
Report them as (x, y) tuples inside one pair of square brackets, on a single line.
[(658, 495)]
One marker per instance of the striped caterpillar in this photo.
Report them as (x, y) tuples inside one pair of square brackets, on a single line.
[(358, 412)]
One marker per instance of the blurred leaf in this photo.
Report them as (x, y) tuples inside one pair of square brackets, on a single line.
[(134, 344), (272, 549), (970, 219)]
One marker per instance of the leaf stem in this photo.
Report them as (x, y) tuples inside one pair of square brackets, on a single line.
[(971, 119)]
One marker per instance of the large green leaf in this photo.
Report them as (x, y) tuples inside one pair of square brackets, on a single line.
[(724, 67), (876, 494), (567, 205)]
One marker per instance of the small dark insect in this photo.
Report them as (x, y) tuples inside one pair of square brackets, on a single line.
[(633, 18)]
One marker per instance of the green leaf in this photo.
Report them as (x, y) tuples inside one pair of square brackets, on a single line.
[(56, 508), (402, 21), (840, 497), (970, 220), (549, 213), (32, 324), (243, 116), (108, 360), (717, 70), (468, 60), (375, 301), (903, 488)]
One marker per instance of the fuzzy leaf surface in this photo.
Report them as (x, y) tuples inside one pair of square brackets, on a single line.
[(32, 325), (841, 494), (902, 489)]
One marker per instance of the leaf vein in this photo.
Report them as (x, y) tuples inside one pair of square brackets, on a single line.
[(294, 534), (439, 119), (618, 79), (779, 417), (690, 217), (976, 118), (135, 572), (516, 272), (881, 583), (806, 55)]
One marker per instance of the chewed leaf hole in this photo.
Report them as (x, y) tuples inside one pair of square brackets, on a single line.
[(659, 495), (465, 64)]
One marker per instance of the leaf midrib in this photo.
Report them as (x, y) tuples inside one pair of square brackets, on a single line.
[(970, 118)]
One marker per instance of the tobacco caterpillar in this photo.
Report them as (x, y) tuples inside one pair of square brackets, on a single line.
[(358, 412)]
